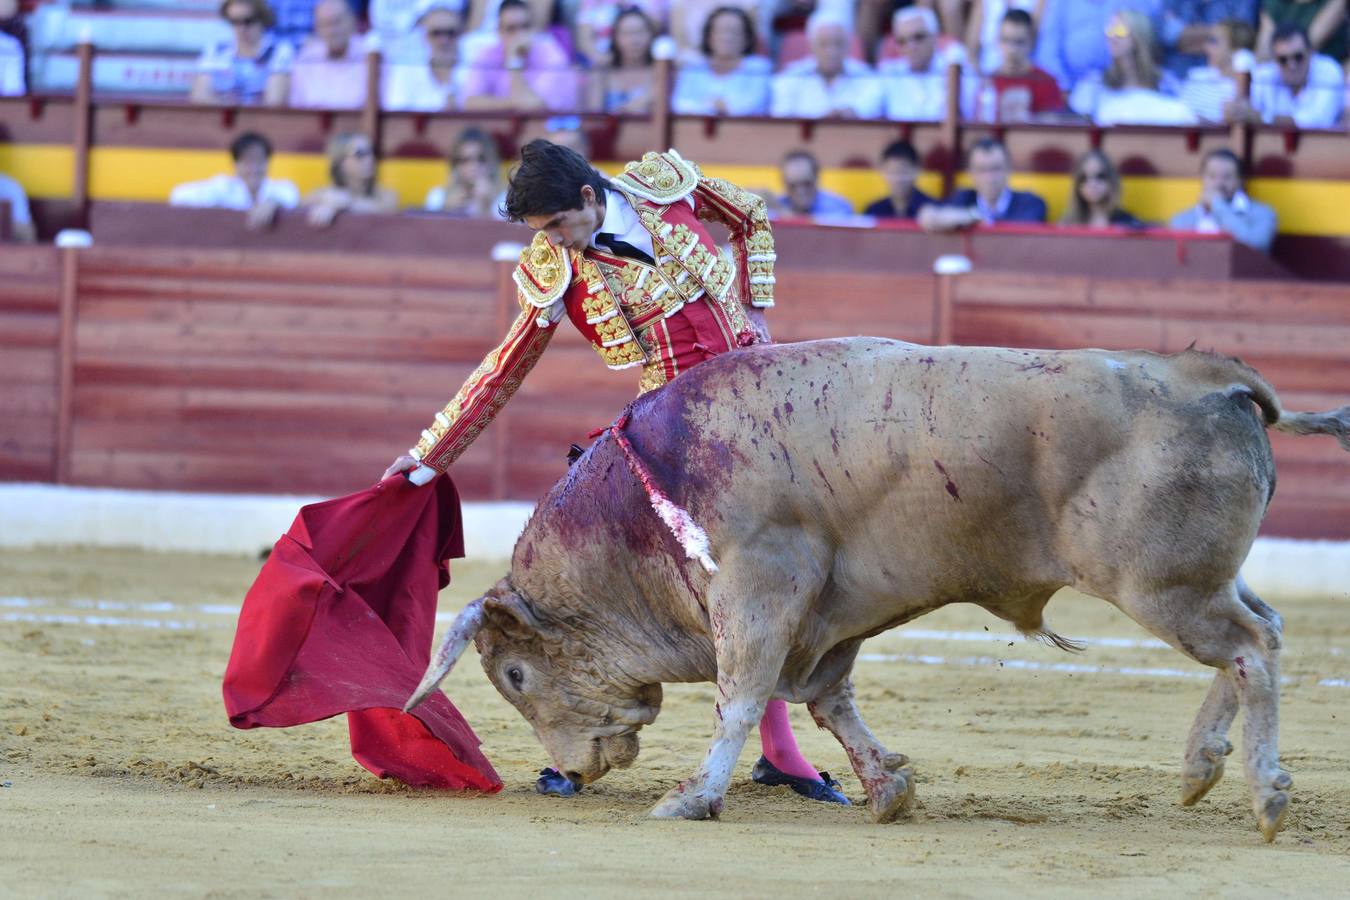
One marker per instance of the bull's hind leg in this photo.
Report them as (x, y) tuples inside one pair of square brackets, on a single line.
[(885, 777), (1237, 634), (754, 601)]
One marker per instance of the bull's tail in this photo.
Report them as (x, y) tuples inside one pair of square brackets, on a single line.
[(1249, 383), (1335, 423)]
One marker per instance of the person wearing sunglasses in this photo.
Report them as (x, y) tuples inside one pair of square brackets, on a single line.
[(916, 82), (1095, 201), (1072, 42), (1297, 88), (473, 188), (351, 170), (1323, 23), (249, 67), (439, 80), (1133, 90), (523, 68), (330, 67)]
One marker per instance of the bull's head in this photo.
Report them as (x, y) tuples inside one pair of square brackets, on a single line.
[(586, 715)]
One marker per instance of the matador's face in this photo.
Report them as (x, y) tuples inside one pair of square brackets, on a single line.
[(571, 229)]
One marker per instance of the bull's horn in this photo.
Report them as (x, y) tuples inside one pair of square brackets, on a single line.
[(459, 635)]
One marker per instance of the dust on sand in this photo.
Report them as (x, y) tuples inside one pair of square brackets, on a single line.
[(125, 779)]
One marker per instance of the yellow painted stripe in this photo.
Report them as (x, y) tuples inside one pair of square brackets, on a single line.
[(148, 174)]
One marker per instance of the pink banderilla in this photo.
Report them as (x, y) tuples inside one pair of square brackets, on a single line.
[(693, 539)]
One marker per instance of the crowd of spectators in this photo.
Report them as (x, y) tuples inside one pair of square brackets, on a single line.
[(1110, 61)]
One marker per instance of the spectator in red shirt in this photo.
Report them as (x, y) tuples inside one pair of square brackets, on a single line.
[(1023, 90)]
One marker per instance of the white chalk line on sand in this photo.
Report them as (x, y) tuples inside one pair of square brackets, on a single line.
[(913, 634)]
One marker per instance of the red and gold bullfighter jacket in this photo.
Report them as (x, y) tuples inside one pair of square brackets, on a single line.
[(664, 317)]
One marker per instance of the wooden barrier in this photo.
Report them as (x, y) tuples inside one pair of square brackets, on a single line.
[(259, 366)]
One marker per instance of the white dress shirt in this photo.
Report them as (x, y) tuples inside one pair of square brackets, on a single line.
[(800, 92), (1317, 105), (11, 67), (922, 96), (411, 86), (621, 220), (230, 192)]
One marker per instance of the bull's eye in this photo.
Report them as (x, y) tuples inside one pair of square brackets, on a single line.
[(516, 677)]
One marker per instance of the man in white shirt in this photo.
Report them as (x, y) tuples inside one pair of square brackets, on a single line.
[(1224, 207), (248, 189), (1297, 87), (330, 70), (437, 81), (11, 67), (916, 84), (828, 83)]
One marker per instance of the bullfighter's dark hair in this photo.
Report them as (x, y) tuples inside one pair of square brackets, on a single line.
[(239, 146), (900, 150), (751, 40), (549, 179), (1223, 153)]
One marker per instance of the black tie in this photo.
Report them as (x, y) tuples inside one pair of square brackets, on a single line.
[(622, 248)]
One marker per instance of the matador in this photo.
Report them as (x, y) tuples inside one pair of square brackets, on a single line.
[(630, 262)]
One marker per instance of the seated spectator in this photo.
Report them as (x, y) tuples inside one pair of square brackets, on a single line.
[(595, 22), (1209, 89), (1188, 25), (393, 26), (986, 21), (1297, 88), (1322, 22), (1225, 207), (474, 188), (522, 69), (990, 201), (827, 83), (330, 67), (1133, 91), (13, 64), (727, 79), (689, 23), (1072, 41), (803, 196), (900, 169), (916, 83), (351, 167), (248, 189), (20, 217), (626, 81), (1095, 202), (439, 81), (1021, 90), (251, 66)]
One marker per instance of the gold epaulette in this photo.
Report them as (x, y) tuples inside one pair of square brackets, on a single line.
[(659, 177), (543, 273)]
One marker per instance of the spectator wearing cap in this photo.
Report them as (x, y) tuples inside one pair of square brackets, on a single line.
[(474, 186), (827, 83), (1072, 42), (1297, 87), (1323, 23), (1188, 25), (727, 79), (1022, 90), (13, 65), (329, 70), (1133, 90), (251, 66), (802, 194), (990, 200), (625, 82), (1210, 90), (20, 217), (248, 189), (899, 169), (437, 82), (352, 187), (916, 83), (524, 68), (1225, 207)]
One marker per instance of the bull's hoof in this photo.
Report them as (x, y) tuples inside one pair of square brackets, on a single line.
[(1270, 819), (892, 797), (1199, 775), (682, 803)]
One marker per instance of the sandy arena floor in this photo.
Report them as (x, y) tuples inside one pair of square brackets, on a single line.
[(1039, 772)]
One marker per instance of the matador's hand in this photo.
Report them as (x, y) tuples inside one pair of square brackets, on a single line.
[(418, 475)]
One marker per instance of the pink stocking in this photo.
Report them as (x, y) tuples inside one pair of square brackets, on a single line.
[(780, 747)]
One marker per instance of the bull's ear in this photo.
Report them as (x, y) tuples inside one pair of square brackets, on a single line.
[(508, 611)]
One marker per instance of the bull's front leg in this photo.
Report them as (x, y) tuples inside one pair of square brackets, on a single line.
[(885, 776)]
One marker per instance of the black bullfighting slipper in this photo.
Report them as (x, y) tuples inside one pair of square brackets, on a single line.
[(551, 781), (826, 790)]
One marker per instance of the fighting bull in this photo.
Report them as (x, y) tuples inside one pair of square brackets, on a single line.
[(849, 486)]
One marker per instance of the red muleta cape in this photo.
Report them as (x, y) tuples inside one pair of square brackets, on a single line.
[(340, 619)]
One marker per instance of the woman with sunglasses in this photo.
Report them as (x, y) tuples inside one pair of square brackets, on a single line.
[(251, 66), (1095, 202), (474, 186), (1210, 89), (1133, 90), (351, 168)]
